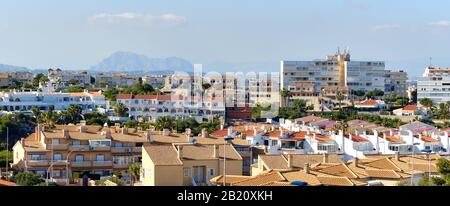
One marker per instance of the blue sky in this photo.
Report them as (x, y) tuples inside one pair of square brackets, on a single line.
[(222, 34)]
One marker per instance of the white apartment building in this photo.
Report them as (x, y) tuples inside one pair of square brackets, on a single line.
[(336, 71), (151, 107), (434, 84), (396, 83), (20, 101)]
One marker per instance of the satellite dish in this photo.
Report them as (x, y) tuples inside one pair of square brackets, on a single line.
[(299, 183), (194, 141)]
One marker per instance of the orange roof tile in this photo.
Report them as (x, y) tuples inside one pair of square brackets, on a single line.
[(429, 139), (410, 108)]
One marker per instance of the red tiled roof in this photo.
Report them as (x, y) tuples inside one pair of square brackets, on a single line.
[(393, 139), (7, 183), (321, 138), (276, 133), (357, 138), (428, 139), (410, 108), (124, 96), (368, 102)]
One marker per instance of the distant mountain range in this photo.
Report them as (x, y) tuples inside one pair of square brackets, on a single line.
[(132, 62), (10, 68)]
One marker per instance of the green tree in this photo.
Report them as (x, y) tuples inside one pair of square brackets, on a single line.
[(95, 118), (110, 94), (286, 94), (72, 114), (130, 124), (73, 89), (120, 110), (27, 179), (40, 79), (134, 171), (427, 103), (36, 111), (164, 122)]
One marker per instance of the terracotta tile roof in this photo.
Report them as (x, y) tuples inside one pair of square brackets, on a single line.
[(278, 184), (261, 179), (124, 96), (206, 152), (163, 154), (6, 183), (230, 179), (357, 138), (321, 138), (219, 140), (96, 94), (279, 162), (274, 161), (78, 94), (335, 181), (367, 102), (340, 170), (276, 133), (302, 176), (410, 108), (383, 163), (394, 139), (429, 139), (377, 173)]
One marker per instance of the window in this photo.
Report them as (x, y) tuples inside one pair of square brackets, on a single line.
[(211, 172), (186, 171), (55, 141), (274, 142), (57, 157), (35, 157), (76, 143), (56, 173), (100, 158), (79, 158), (118, 144)]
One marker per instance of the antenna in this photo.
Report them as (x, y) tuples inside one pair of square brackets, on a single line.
[(431, 61)]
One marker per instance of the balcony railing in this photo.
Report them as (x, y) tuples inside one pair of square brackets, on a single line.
[(101, 148), (102, 163), (57, 146), (121, 149), (37, 163), (81, 163), (79, 147)]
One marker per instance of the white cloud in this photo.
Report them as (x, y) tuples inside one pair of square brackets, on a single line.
[(442, 23), (131, 17), (385, 27)]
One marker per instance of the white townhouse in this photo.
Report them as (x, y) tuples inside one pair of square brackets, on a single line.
[(355, 145), (151, 107), (21, 101)]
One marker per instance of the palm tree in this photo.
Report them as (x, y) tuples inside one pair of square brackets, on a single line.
[(164, 123), (73, 113), (340, 98), (36, 112), (49, 118), (120, 110), (341, 125), (427, 103), (134, 171), (286, 94)]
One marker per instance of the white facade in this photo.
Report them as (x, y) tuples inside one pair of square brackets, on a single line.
[(151, 107), (17, 101), (434, 85)]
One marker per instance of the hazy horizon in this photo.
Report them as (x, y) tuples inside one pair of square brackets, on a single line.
[(224, 35)]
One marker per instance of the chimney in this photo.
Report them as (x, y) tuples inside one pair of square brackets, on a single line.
[(290, 160), (306, 168), (149, 136), (205, 133), (314, 136), (307, 131), (355, 162), (281, 133), (106, 133), (384, 136), (124, 130), (325, 158), (221, 127), (397, 156), (166, 132), (272, 128), (65, 133), (246, 127), (391, 132), (230, 130), (255, 132), (83, 122), (37, 132), (180, 152), (216, 151)]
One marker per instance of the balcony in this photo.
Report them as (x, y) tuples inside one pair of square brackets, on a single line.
[(102, 163), (121, 165), (81, 164), (58, 162), (57, 146), (101, 148), (37, 163), (79, 148), (121, 149), (137, 149)]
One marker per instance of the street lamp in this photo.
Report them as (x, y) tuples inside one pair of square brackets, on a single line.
[(227, 139), (67, 165), (428, 151)]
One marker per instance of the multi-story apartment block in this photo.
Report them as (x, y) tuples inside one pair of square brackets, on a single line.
[(338, 72), (21, 101), (115, 80), (59, 77), (396, 83), (57, 153), (151, 107), (11, 78), (434, 84)]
